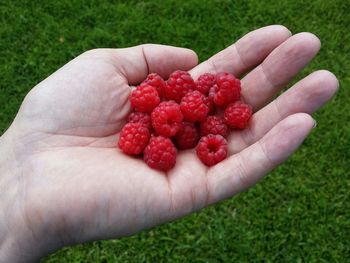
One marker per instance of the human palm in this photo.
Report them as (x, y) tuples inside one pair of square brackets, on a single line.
[(79, 186)]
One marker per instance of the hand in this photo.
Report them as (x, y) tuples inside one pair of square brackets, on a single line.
[(64, 181)]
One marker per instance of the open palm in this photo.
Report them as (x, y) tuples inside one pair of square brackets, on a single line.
[(76, 185)]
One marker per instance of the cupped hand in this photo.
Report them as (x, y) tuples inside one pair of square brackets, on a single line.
[(66, 182)]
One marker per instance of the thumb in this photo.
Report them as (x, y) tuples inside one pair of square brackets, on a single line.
[(135, 63)]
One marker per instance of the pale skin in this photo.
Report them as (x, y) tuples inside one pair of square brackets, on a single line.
[(63, 180)]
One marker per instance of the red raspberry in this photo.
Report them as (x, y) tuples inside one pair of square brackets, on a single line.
[(205, 82), (212, 149), (166, 118), (179, 83), (237, 115), (194, 106), (160, 153), (157, 82), (140, 117), (214, 125), (187, 137), (210, 105), (226, 90), (144, 98), (133, 138)]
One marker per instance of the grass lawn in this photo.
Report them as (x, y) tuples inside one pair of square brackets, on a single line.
[(299, 213)]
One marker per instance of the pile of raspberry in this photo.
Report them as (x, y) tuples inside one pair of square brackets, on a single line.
[(180, 114)]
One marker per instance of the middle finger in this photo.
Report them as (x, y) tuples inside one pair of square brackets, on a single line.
[(262, 83)]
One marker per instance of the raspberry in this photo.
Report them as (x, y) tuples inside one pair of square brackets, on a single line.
[(144, 98), (205, 82), (160, 153), (194, 106), (226, 90), (212, 149), (210, 105), (157, 82), (166, 118), (187, 137), (140, 117), (186, 104), (133, 138), (179, 83), (237, 115), (214, 125)]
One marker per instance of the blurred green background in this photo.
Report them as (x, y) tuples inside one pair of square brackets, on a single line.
[(299, 213)]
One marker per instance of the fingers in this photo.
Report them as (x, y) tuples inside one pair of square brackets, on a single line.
[(307, 96), (261, 84), (244, 169), (246, 53), (136, 63)]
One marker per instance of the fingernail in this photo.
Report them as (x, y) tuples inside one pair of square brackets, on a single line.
[(315, 124)]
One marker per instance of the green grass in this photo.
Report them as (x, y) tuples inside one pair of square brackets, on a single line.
[(299, 213)]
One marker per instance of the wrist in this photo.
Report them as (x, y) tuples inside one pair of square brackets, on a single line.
[(16, 244), (6, 198)]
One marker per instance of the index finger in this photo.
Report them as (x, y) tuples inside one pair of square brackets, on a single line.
[(246, 53)]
